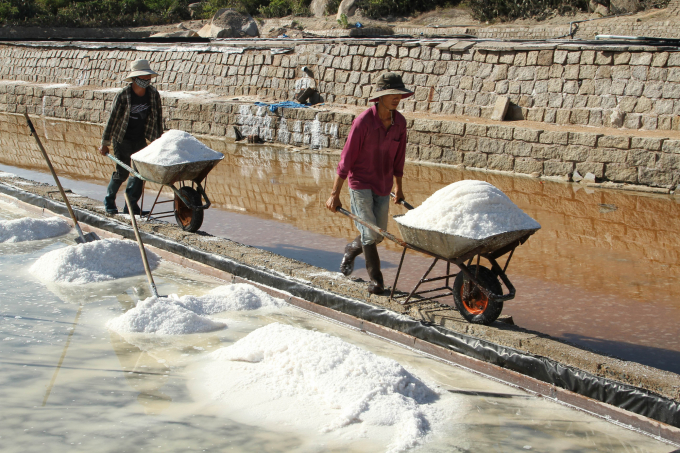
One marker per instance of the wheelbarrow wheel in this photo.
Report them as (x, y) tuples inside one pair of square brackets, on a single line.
[(475, 306), (187, 218)]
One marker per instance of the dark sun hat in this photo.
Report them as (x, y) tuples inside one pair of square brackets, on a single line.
[(389, 83)]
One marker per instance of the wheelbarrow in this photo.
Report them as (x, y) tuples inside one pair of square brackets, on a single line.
[(476, 291), (189, 199)]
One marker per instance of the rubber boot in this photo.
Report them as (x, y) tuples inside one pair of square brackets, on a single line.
[(110, 199), (377, 285), (352, 250), (134, 191)]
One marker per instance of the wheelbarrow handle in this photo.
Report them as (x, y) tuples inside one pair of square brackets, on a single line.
[(402, 202), (128, 168), (375, 228)]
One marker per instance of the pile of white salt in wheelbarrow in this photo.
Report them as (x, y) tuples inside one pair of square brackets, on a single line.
[(471, 209), (175, 147)]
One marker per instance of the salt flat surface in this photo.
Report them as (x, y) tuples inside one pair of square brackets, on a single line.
[(469, 208), (97, 261), (4, 174), (175, 147), (162, 315), (30, 229), (302, 380)]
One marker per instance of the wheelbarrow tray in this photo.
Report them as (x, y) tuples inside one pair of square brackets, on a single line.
[(189, 171), (451, 246)]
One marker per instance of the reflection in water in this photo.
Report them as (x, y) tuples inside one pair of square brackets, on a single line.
[(603, 266), (143, 373)]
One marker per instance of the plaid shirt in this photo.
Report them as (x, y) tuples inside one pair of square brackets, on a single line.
[(120, 116)]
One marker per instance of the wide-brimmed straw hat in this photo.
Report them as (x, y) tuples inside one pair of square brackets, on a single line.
[(140, 68), (389, 83)]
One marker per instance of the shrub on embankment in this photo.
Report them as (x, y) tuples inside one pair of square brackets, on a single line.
[(92, 13), (107, 13), (510, 9)]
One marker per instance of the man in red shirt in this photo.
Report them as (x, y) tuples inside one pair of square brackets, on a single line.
[(372, 158)]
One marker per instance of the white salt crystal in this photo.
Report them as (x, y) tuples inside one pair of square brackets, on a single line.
[(97, 261), (302, 379), (471, 209), (30, 229), (175, 315), (162, 315), (176, 147), (239, 296)]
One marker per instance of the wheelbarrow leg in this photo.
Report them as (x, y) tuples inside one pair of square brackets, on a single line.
[(421, 281), (396, 277)]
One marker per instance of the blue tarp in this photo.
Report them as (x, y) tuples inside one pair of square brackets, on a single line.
[(283, 104)]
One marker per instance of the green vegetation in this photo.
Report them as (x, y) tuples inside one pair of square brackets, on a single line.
[(383, 8), (265, 8), (92, 13), (107, 13), (509, 9), (343, 22)]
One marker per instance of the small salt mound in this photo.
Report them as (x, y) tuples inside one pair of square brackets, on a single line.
[(29, 229), (175, 147), (4, 174), (471, 209), (239, 296), (304, 379), (97, 261), (162, 315)]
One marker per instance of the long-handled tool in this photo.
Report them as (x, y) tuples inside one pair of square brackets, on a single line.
[(82, 238), (147, 269)]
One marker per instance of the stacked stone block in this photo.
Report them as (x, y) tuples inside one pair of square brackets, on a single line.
[(614, 86), (651, 161)]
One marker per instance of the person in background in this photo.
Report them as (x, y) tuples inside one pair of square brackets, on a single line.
[(136, 116), (373, 157)]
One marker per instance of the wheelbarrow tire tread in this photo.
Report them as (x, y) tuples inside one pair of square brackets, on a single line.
[(493, 308), (189, 219)]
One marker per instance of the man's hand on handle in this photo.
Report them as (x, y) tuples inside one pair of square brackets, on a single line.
[(103, 150), (398, 196), (398, 192), (333, 202)]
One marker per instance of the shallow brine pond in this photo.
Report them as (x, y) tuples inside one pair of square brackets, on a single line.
[(293, 382)]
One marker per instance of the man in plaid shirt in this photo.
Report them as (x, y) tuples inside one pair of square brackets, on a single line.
[(136, 117)]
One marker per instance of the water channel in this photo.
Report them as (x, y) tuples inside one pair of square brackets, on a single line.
[(601, 273), (69, 384)]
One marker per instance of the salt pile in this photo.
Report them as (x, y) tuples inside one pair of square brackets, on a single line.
[(472, 209), (285, 376), (162, 315), (175, 315), (98, 261), (236, 297), (29, 229), (175, 147)]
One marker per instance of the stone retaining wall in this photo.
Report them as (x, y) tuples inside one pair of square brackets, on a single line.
[(651, 161), (633, 87)]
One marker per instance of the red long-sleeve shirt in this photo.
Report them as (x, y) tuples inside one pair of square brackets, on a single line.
[(373, 155)]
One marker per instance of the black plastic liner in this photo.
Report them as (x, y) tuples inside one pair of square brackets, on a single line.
[(624, 396)]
